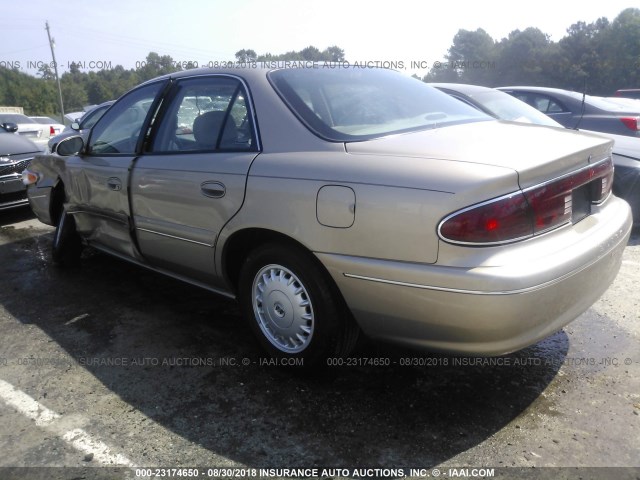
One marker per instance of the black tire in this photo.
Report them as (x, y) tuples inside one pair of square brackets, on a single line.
[(67, 245), (276, 284)]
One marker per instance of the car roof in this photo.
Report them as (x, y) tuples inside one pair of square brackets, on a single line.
[(538, 89), (462, 87), (557, 91), (252, 70)]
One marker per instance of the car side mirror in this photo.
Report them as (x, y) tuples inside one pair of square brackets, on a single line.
[(69, 146), (75, 126), (10, 127)]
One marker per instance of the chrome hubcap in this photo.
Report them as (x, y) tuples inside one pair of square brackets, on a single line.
[(283, 308)]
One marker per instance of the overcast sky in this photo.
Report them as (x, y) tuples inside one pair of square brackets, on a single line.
[(123, 32)]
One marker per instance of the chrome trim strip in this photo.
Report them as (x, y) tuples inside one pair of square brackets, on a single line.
[(574, 172), (96, 213), (439, 289), (472, 207), (174, 237), (134, 261)]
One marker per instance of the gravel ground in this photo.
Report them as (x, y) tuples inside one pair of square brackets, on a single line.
[(126, 367)]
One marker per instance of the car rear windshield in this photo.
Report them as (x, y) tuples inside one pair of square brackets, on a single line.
[(44, 120), (354, 104)]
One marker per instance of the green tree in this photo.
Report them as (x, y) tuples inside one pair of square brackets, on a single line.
[(246, 56), (620, 52), (333, 54), (156, 65), (522, 58)]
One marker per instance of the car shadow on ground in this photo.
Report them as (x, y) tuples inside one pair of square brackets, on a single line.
[(262, 416), (14, 215)]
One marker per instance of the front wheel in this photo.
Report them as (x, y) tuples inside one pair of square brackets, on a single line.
[(67, 246), (293, 306)]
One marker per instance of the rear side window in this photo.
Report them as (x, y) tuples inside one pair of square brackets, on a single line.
[(205, 114), (547, 105), (352, 104)]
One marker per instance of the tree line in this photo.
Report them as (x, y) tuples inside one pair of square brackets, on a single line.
[(603, 56)]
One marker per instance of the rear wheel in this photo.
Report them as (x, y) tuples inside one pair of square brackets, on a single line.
[(67, 246), (294, 308)]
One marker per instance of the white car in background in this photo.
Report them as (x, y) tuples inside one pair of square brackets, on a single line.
[(27, 128), (53, 127)]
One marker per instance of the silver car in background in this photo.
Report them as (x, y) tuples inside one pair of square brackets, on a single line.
[(334, 201)]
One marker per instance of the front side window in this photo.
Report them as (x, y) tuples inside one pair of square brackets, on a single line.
[(205, 114), (118, 131), (351, 104)]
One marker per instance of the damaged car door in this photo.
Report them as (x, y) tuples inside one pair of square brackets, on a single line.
[(99, 187), (191, 180)]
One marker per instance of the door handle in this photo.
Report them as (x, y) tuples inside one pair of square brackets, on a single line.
[(213, 189), (114, 184)]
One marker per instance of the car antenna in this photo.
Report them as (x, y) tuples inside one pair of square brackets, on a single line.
[(584, 94)]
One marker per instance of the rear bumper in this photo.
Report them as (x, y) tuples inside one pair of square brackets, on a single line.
[(626, 183), (488, 309)]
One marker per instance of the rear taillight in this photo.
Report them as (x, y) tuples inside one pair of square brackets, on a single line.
[(501, 220), (530, 212), (632, 123), (52, 131)]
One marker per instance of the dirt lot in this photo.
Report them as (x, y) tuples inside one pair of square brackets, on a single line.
[(112, 365)]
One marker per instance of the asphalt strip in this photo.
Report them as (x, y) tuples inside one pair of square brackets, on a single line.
[(51, 421)]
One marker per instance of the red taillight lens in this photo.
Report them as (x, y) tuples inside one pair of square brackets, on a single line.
[(523, 214), (52, 131), (632, 123), (497, 221)]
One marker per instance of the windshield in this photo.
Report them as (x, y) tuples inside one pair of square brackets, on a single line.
[(351, 104), (506, 107)]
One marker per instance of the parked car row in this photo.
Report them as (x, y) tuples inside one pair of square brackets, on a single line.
[(335, 202), (578, 111), (80, 125), (27, 128), (37, 129), (53, 127)]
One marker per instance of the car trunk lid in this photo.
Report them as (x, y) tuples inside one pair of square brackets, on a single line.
[(537, 153)]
